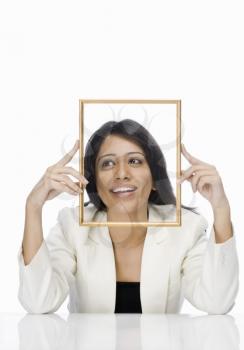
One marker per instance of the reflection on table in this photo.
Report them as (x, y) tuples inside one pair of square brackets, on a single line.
[(127, 331)]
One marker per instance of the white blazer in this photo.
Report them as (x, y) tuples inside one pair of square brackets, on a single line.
[(177, 262)]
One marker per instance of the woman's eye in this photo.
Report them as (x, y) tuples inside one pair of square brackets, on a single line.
[(106, 162), (133, 160), (138, 161)]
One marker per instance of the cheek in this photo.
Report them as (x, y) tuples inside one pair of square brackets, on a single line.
[(147, 178), (146, 183), (102, 182)]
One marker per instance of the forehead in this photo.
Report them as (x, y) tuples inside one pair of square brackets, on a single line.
[(119, 145)]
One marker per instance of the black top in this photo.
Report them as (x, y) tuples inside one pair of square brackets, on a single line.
[(128, 297)]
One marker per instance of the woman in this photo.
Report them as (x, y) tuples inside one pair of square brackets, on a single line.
[(128, 269)]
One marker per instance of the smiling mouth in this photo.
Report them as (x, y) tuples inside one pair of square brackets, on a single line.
[(124, 193)]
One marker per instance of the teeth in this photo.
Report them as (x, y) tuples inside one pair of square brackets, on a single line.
[(123, 189)]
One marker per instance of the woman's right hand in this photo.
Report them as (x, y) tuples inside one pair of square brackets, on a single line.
[(54, 181)]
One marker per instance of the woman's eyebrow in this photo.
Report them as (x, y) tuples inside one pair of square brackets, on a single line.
[(113, 154)]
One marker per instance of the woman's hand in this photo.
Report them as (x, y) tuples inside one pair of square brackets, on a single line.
[(205, 179), (55, 181)]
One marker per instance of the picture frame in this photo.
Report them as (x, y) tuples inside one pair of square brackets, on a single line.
[(89, 108)]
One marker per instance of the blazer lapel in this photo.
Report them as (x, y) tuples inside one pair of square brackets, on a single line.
[(155, 265), (101, 267)]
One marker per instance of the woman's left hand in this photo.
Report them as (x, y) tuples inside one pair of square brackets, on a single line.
[(205, 179)]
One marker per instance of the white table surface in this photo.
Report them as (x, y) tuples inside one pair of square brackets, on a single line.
[(121, 331)]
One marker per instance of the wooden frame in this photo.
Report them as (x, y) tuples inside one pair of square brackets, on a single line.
[(177, 104)]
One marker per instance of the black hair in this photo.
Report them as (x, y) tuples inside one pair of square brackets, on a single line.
[(135, 132)]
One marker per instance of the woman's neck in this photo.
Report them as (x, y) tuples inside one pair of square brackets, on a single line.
[(127, 236), (118, 214)]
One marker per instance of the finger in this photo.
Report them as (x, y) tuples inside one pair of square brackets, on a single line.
[(67, 181), (189, 157), (68, 156), (205, 180), (193, 169), (60, 187), (73, 172), (79, 184), (196, 178)]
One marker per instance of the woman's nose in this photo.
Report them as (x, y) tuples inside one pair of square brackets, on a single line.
[(122, 170)]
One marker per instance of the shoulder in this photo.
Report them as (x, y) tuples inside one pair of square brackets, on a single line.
[(159, 212), (190, 218), (193, 225), (68, 217), (68, 224), (167, 212)]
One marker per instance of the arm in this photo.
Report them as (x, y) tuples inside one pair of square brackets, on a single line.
[(44, 281), (47, 267), (33, 235), (222, 223), (210, 272)]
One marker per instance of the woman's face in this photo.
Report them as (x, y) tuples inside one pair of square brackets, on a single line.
[(123, 175)]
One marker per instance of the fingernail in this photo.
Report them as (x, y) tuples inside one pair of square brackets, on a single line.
[(86, 182)]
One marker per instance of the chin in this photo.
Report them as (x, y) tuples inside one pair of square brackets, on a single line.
[(128, 205)]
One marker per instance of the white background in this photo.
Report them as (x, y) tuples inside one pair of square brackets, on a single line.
[(55, 52)]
